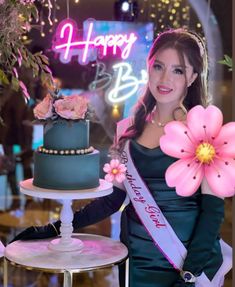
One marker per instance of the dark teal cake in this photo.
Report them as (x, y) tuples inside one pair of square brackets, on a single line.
[(66, 161)]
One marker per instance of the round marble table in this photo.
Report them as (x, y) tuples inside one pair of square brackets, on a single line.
[(97, 252)]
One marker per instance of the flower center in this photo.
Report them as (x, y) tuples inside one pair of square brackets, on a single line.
[(205, 152), (115, 171)]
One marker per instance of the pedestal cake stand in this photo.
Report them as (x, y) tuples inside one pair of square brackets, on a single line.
[(66, 242), (68, 253)]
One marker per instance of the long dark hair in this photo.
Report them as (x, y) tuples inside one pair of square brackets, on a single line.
[(185, 43)]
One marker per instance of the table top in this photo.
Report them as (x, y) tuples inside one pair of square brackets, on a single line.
[(28, 188), (98, 252)]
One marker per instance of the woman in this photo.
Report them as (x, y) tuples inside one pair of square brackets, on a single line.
[(177, 66)]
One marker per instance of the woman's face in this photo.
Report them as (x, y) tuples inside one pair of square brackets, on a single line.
[(168, 79)]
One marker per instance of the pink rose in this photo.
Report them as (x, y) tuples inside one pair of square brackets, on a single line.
[(44, 109), (71, 107)]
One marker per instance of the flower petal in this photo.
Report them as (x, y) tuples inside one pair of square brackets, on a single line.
[(213, 120), (120, 177), (220, 177), (195, 121), (121, 168), (114, 163), (225, 141), (176, 142), (109, 177), (204, 123), (185, 175), (107, 168)]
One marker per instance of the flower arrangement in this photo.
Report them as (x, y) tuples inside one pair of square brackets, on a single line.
[(204, 148), (16, 17), (54, 107)]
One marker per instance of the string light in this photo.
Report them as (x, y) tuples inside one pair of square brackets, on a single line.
[(166, 13), (48, 16), (115, 111)]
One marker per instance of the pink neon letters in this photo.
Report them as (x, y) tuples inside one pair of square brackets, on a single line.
[(66, 42)]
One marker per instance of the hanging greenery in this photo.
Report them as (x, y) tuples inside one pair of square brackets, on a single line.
[(15, 19)]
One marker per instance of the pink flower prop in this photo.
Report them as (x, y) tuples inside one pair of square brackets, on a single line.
[(204, 148), (115, 171), (71, 107), (43, 110)]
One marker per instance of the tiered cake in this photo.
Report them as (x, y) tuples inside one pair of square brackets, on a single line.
[(66, 161)]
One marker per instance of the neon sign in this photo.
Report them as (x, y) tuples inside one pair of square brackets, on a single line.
[(102, 79), (125, 81), (67, 43)]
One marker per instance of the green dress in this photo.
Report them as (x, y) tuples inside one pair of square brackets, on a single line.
[(148, 267)]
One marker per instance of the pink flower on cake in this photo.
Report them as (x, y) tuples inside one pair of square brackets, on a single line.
[(205, 148), (115, 171), (43, 110), (71, 107)]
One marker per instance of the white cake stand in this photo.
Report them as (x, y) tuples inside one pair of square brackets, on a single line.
[(66, 242)]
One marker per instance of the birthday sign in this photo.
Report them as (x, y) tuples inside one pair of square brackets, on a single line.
[(68, 44), (121, 85), (126, 84)]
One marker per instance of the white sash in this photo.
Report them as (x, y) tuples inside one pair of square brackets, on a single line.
[(158, 227)]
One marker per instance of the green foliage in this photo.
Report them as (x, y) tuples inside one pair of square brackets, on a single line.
[(227, 61), (15, 18)]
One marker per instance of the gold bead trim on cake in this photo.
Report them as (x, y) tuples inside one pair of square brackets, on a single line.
[(66, 151)]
